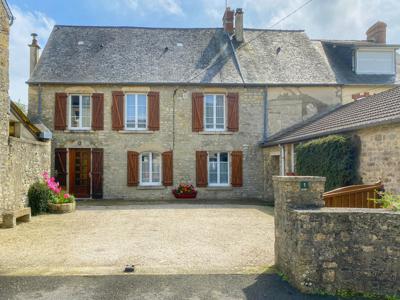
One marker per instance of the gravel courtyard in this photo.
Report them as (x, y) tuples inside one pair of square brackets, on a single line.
[(157, 239)]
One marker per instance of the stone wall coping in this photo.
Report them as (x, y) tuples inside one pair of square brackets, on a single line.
[(332, 210), (23, 141), (298, 178)]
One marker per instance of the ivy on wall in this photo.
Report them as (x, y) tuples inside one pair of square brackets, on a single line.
[(333, 157)]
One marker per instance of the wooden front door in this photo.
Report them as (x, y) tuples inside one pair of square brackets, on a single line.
[(79, 172)]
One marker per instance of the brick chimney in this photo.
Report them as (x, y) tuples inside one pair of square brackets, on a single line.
[(34, 53), (377, 33), (239, 25), (228, 20)]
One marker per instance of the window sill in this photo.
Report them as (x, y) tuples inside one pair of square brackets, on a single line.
[(219, 188), (151, 187), (216, 132), (79, 131), (135, 131)]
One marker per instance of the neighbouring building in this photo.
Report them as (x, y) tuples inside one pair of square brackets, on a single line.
[(24, 146), (373, 123), (135, 111)]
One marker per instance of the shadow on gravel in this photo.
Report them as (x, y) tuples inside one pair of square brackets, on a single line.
[(271, 286)]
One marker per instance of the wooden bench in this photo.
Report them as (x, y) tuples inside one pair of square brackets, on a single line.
[(10, 217)]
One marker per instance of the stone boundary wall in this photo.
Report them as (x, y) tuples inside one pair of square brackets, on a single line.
[(27, 160), (330, 249)]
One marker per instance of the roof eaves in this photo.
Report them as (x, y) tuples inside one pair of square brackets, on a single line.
[(329, 132), (24, 119), (9, 12)]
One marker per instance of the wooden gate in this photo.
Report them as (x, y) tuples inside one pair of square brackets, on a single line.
[(355, 196)]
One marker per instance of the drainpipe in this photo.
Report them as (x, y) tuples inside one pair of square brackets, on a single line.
[(293, 158), (282, 156), (173, 117), (265, 130), (39, 109)]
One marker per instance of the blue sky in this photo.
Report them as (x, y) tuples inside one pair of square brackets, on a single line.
[(333, 19)]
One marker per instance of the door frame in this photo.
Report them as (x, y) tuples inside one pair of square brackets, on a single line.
[(71, 171)]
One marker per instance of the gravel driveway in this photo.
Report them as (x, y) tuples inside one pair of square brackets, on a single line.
[(157, 239)]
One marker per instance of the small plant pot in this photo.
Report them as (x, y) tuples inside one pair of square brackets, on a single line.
[(185, 196), (62, 208)]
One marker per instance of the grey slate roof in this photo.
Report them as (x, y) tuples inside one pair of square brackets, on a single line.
[(339, 55), (382, 108), (133, 55)]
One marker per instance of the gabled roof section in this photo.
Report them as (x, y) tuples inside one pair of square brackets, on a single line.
[(8, 11), (379, 109), (39, 131), (133, 55)]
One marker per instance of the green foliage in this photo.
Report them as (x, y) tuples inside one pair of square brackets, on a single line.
[(38, 196), (388, 200), (333, 157)]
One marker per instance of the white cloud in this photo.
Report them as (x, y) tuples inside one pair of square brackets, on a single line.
[(143, 7), (25, 23)]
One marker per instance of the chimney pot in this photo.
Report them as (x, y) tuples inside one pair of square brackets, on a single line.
[(228, 20), (239, 25), (34, 53), (377, 33)]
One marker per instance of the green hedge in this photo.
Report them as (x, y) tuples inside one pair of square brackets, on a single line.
[(333, 157), (38, 196)]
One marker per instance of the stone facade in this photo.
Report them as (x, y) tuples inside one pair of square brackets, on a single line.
[(22, 172), (332, 250), (175, 134), (379, 155), (286, 106), (4, 85)]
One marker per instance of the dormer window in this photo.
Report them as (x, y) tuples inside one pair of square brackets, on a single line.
[(375, 61)]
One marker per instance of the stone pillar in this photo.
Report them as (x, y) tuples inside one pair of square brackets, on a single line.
[(293, 192)]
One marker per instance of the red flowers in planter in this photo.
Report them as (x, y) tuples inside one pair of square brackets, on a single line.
[(185, 191)]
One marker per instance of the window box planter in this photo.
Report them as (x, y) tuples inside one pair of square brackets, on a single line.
[(62, 208), (184, 196)]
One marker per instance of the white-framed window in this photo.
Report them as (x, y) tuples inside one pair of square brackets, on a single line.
[(373, 61), (79, 112), (136, 112), (214, 116), (150, 168), (218, 169)]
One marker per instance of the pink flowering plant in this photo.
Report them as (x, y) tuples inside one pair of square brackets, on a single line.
[(57, 194)]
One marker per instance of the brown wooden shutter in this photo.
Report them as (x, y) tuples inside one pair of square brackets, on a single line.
[(201, 169), (167, 165), (133, 168), (118, 111), (197, 112), (60, 111), (233, 111), (60, 166), (97, 173), (98, 111), (237, 168), (154, 110)]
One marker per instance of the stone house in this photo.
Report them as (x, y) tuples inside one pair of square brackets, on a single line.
[(135, 111), (24, 146), (373, 123)]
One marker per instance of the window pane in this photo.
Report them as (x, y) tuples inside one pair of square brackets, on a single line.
[(145, 168), (156, 168), (130, 111), (142, 110), (209, 111), (223, 157), (220, 101), (75, 114), (213, 168), (86, 111)]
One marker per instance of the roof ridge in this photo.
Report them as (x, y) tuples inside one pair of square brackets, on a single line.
[(170, 28)]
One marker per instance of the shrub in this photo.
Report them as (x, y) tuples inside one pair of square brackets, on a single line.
[(333, 157), (38, 196)]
